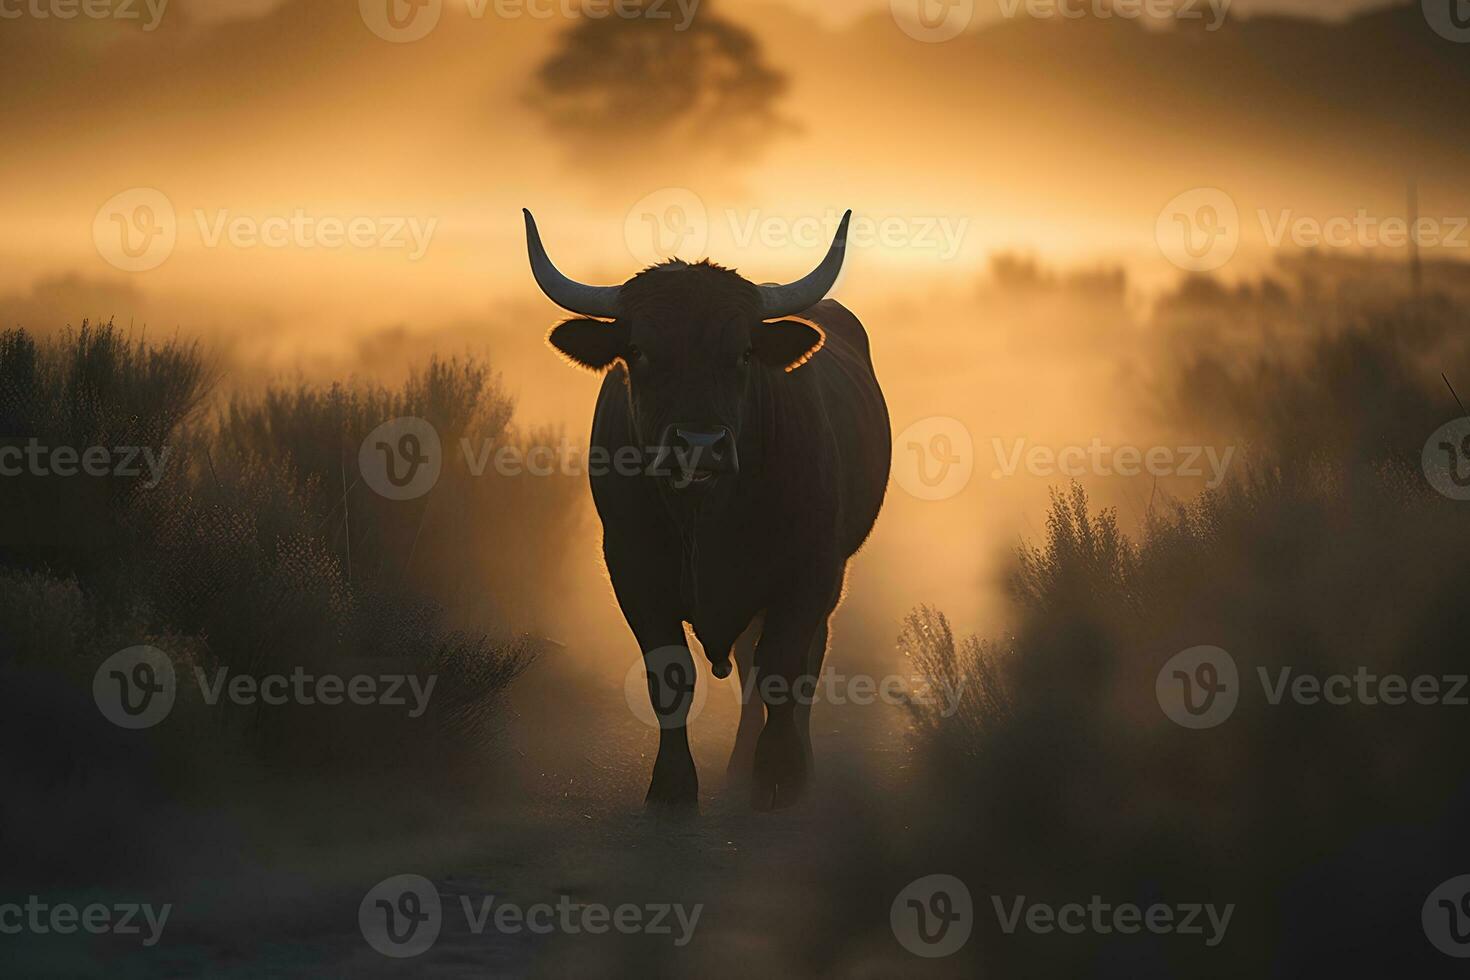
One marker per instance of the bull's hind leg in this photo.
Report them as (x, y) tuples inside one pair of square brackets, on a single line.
[(815, 656), (752, 712)]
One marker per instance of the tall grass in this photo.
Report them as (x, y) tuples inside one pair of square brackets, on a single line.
[(1060, 777), (236, 562)]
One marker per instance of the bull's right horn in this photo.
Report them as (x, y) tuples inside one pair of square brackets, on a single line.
[(598, 301)]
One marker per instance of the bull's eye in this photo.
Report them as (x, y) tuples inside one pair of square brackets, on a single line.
[(634, 353)]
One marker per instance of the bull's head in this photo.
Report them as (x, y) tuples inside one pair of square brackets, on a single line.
[(692, 339)]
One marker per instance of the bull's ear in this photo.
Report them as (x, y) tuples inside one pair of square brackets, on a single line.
[(593, 344), (787, 343)]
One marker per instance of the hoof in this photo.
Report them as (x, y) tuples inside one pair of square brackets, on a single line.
[(673, 790), (780, 776)]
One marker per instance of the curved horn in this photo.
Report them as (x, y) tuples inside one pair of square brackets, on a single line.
[(794, 297), (601, 301)]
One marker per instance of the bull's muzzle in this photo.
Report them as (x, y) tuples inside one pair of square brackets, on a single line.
[(691, 455)]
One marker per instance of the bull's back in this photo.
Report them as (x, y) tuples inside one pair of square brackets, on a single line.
[(856, 415)]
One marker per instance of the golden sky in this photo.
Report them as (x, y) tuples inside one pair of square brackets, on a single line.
[(305, 194)]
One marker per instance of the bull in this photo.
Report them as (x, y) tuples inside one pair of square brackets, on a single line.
[(768, 447)]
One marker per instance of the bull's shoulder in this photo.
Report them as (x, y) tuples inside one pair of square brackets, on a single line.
[(839, 325)]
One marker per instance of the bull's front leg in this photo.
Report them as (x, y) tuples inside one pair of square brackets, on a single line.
[(785, 682), (669, 668), (645, 574)]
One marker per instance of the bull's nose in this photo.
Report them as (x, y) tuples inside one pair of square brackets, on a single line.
[(695, 454)]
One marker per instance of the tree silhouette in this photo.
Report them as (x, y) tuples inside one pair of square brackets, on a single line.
[(641, 87)]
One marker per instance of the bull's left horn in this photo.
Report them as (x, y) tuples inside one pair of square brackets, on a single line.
[(600, 301), (778, 301)]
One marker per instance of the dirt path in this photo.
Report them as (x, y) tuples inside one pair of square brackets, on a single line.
[(568, 830)]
